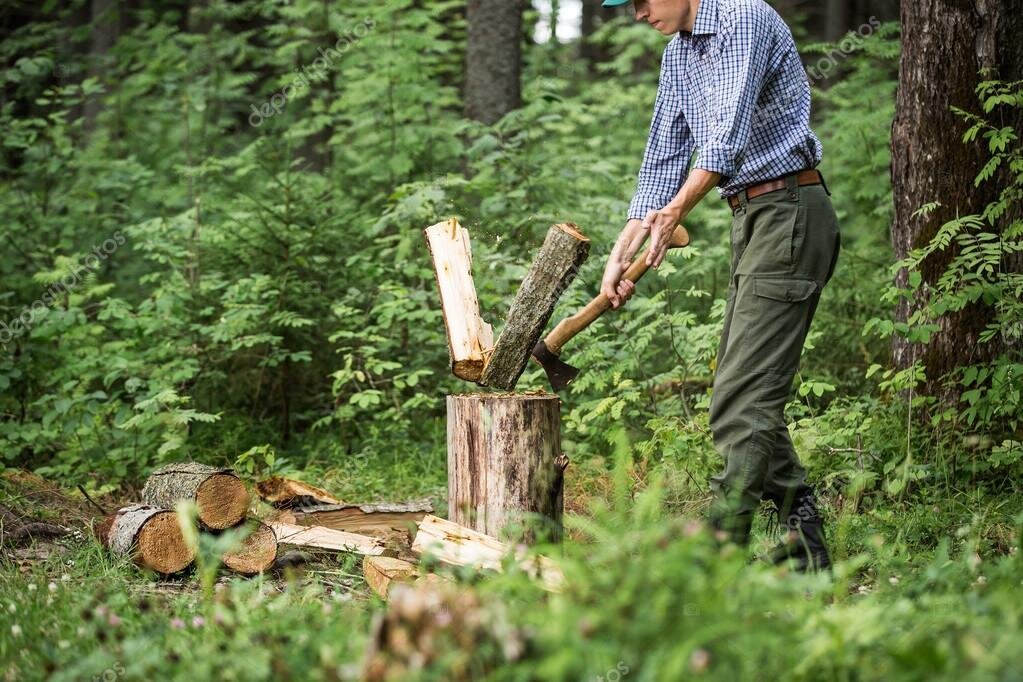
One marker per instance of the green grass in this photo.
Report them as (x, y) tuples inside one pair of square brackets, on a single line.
[(927, 586)]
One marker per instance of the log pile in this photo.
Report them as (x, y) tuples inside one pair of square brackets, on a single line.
[(153, 536)]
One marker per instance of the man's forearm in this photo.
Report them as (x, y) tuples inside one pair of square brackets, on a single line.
[(693, 190)]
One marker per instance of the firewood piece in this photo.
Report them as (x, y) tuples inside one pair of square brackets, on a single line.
[(220, 495), (381, 571), (326, 538), (469, 337), (379, 518), (287, 492), (457, 545), (256, 553), (562, 255), (151, 536), (503, 463)]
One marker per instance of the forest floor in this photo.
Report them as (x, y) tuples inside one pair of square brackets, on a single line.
[(902, 599)]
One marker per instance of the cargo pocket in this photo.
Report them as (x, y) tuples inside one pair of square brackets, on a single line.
[(783, 307), (784, 289)]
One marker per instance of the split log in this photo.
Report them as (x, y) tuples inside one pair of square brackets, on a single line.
[(453, 544), (562, 255), (505, 466), (220, 495), (469, 337), (379, 518), (326, 538), (151, 536), (287, 492), (381, 571), (256, 553)]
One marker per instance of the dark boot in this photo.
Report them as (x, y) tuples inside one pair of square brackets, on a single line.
[(803, 544), (731, 528)]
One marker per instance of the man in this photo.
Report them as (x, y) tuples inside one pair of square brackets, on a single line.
[(733, 91)]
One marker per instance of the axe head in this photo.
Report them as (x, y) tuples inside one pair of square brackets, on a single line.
[(559, 372)]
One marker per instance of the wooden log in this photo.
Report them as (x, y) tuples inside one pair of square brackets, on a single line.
[(381, 571), (562, 255), (151, 536), (256, 553), (454, 544), (469, 337), (505, 466), (220, 495), (326, 538), (378, 518), (287, 492)]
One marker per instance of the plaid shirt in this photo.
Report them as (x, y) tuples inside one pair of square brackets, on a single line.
[(735, 90)]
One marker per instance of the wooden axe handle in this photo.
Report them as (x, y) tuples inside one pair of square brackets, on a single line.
[(574, 324)]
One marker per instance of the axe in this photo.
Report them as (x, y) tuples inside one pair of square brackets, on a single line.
[(546, 350)]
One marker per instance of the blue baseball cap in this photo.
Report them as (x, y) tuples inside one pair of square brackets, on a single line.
[(614, 3)]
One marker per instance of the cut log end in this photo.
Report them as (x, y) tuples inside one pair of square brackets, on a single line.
[(256, 554), (222, 500), (573, 230), (381, 572), (470, 370), (161, 545)]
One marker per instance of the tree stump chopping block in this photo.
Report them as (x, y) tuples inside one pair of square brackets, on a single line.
[(505, 465)]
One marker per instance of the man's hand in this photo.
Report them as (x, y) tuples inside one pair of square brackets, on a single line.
[(619, 290), (661, 224)]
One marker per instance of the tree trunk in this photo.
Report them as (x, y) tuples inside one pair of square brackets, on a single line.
[(505, 467), (593, 17), (151, 536), (103, 34), (945, 43), (221, 497), (493, 63), (563, 252)]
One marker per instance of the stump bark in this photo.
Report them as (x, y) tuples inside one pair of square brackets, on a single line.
[(220, 495), (151, 536), (256, 553), (505, 466), (562, 255)]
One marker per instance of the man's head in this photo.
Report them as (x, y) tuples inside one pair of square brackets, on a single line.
[(667, 16)]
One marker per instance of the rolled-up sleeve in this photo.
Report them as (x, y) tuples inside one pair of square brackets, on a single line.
[(744, 61), (668, 150)]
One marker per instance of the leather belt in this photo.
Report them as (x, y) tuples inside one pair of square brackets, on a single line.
[(803, 178)]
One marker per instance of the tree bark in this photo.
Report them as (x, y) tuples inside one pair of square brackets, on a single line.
[(505, 465), (221, 497), (285, 493), (945, 43), (593, 17), (563, 252), (105, 24), (493, 63), (151, 536)]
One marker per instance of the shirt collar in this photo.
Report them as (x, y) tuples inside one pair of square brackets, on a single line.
[(706, 18)]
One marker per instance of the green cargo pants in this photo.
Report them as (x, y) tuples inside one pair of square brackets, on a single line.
[(785, 246)]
